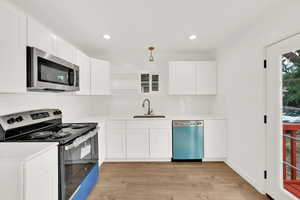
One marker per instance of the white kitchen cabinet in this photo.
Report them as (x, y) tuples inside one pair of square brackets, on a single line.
[(101, 142), (193, 78), (100, 77), (116, 140), (206, 78), (40, 37), (149, 83), (12, 49), (139, 140), (137, 143), (160, 143), (29, 170), (65, 50), (182, 78), (83, 61), (45, 168), (215, 140)]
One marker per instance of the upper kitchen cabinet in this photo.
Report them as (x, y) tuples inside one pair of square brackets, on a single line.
[(65, 50), (83, 61), (182, 78), (206, 78), (193, 78), (40, 37), (12, 49), (100, 77), (149, 83)]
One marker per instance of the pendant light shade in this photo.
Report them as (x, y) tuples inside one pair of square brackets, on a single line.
[(151, 58)]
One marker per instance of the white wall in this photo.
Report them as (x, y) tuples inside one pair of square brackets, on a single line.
[(162, 103), (242, 88), (73, 107)]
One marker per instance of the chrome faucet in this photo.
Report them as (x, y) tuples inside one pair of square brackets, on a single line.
[(149, 112)]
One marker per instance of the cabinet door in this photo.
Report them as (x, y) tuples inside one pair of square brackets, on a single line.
[(137, 144), (83, 62), (65, 50), (215, 139), (160, 143), (115, 144), (182, 78), (40, 37), (207, 78), (100, 77), (41, 177), (101, 143), (12, 50)]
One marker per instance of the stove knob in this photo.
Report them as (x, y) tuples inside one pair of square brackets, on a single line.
[(58, 112), (11, 121), (19, 119)]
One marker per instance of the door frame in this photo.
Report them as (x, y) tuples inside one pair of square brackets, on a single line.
[(274, 115)]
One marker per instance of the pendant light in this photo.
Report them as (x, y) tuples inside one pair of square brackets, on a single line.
[(151, 58)]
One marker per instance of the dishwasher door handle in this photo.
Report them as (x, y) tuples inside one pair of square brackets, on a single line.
[(185, 123)]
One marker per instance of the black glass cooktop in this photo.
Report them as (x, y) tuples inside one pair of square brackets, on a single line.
[(62, 133)]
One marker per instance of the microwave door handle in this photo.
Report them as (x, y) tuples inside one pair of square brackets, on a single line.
[(76, 77), (82, 139)]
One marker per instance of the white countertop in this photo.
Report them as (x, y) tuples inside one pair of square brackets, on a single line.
[(103, 118), (23, 150)]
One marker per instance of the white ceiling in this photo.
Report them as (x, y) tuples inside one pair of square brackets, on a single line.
[(136, 24)]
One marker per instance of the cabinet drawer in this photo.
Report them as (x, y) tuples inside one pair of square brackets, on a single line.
[(140, 124), (116, 124)]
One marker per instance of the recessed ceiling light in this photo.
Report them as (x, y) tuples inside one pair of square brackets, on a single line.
[(193, 37), (106, 36)]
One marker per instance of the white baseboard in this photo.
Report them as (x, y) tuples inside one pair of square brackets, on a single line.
[(246, 177), (138, 160), (214, 159)]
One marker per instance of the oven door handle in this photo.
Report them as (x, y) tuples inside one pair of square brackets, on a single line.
[(82, 139)]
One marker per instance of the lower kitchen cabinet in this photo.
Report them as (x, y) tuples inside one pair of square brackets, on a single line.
[(29, 170), (160, 143), (215, 140), (115, 145), (135, 140), (137, 143), (115, 140), (45, 168), (101, 143)]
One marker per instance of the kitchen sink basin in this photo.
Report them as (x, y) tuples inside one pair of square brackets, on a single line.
[(149, 116)]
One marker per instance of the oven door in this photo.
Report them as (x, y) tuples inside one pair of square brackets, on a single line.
[(48, 72), (77, 160)]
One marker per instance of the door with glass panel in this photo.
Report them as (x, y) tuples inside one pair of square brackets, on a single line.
[(283, 124)]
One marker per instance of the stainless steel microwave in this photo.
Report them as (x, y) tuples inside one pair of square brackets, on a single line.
[(46, 72)]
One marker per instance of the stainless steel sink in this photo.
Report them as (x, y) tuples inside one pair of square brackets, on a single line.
[(149, 116)]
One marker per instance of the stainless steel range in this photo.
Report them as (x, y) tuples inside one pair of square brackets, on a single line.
[(78, 146)]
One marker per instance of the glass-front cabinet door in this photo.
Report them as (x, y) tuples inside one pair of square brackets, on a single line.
[(149, 83), (145, 83)]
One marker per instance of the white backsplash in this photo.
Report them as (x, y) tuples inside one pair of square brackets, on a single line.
[(73, 107), (161, 104)]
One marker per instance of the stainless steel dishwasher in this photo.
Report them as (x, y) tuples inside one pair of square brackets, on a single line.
[(187, 140)]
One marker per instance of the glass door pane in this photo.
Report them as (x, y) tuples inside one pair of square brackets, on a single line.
[(145, 83), (291, 121), (155, 83)]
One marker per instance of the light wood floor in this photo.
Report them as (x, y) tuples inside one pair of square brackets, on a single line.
[(171, 181)]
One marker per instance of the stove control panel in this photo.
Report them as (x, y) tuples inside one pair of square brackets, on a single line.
[(40, 115), (21, 119)]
